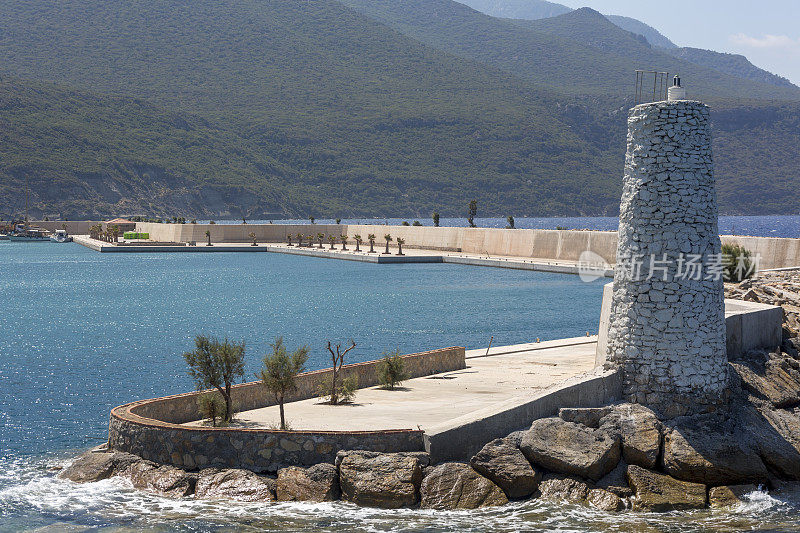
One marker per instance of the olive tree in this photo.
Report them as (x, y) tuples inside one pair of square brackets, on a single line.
[(216, 365), (339, 390), (280, 370)]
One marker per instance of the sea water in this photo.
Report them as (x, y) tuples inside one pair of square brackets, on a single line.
[(82, 332)]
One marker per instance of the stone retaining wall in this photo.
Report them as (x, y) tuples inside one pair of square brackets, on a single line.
[(460, 439), (152, 428)]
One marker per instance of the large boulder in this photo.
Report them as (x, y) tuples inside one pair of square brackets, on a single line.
[(387, 481), (234, 484), (773, 378), (729, 495), (605, 501), (639, 431), (319, 483), (658, 493), (95, 466), (458, 486), (515, 438), (616, 481), (569, 448), (775, 433), (702, 455), (505, 465), (563, 488), (586, 416), (424, 458), (165, 480)]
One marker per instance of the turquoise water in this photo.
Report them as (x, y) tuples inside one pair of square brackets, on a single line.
[(83, 332)]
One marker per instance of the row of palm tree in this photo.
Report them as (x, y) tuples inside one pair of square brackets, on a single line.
[(110, 234), (344, 239)]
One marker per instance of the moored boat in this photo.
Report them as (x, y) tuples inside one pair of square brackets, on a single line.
[(30, 235), (61, 235)]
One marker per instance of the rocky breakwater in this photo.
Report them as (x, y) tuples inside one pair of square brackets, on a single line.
[(614, 458)]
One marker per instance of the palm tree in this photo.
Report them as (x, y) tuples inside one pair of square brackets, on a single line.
[(388, 240), (473, 211), (343, 238), (299, 240), (400, 243), (371, 239), (252, 235), (115, 232), (320, 237), (332, 240), (289, 238), (310, 240), (208, 236), (358, 242)]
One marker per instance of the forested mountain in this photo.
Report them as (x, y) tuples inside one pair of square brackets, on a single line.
[(540, 9), (362, 119), (579, 52), (731, 64), (366, 107)]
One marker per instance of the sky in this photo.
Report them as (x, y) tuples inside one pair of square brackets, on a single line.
[(767, 32)]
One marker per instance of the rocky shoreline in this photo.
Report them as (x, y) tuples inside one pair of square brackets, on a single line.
[(612, 458)]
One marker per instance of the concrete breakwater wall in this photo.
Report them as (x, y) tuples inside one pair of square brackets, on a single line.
[(153, 428), (565, 245), (461, 438)]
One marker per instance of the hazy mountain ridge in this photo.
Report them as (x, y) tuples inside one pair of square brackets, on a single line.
[(733, 64)]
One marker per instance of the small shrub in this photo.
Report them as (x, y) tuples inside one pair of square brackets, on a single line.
[(345, 390), (405, 223), (737, 263), (391, 370), (416, 223), (212, 407)]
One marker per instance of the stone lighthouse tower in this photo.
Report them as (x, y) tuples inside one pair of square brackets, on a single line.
[(667, 325)]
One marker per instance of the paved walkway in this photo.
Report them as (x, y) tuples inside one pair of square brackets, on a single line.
[(509, 372)]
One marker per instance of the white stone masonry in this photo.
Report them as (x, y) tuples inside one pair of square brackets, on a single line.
[(667, 327)]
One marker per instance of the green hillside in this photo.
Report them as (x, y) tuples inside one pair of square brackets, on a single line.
[(363, 119), (264, 108), (89, 156)]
